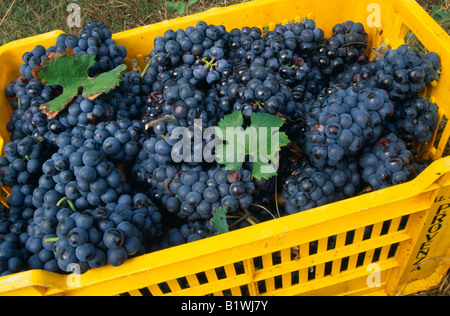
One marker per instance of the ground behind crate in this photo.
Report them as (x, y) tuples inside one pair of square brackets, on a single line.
[(20, 18)]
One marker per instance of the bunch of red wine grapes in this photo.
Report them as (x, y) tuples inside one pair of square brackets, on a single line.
[(96, 186)]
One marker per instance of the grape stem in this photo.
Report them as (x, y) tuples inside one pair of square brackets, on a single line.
[(161, 119), (265, 209), (276, 193), (39, 139), (49, 240), (69, 201), (150, 202), (209, 64), (352, 43), (144, 72), (260, 104), (246, 216)]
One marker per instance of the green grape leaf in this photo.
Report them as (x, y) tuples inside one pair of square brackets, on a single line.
[(440, 12), (192, 2), (261, 141), (181, 7), (69, 71), (219, 220)]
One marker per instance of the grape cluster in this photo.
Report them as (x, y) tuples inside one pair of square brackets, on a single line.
[(82, 112), (27, 119), (189, 190), (241, 70), (103, 181), (415, 120), (310, 186), (180, 81), (189, 232), (342, 52), (94, 39), (388, 162), (401, 72), (128, 101), (119, 139), (340, 122), (347, 120), (13, 236), (84, 177), (61, 240), (198, 194), (22, 161)]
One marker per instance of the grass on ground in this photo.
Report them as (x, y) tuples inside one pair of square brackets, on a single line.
[(21, 18)]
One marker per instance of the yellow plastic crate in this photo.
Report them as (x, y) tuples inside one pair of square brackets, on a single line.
[(389, 242)]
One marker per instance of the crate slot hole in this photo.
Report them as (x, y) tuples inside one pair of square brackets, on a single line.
[(295, 253), (393, 250), (239, 267), (227, 293), (311, 273), (376, 254), (201, 277), (244, 290), (385, 227), (220, 272), (349, 237), (344, 264), (164, 287), (313, 245), (276, 258), (258, 263), (278, 282), (295, 279), (367, 232), (261, 286), (331, 242), (145, 292), (183, 282), (328, 268), (360, 260), (403, 223)]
